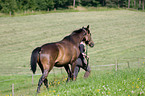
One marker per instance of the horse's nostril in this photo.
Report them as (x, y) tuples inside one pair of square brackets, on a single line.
[(91, 45)]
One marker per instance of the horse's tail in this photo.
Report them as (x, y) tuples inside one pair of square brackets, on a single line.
[(34, 56)]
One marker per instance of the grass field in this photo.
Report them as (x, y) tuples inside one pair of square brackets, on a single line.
[(118, 35)]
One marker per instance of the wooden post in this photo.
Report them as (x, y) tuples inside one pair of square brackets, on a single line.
[(54, 72), (116, 65), (54, 9), (138, 63), (25, 12), (12, 89), (128, 64), (32, 11), (48, 10), (32, 79), (61, 70), (10, 13)]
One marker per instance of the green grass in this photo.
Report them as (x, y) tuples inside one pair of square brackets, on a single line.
[(122, 83), (118, 35)]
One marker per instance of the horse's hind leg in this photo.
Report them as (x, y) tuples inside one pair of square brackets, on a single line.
[(46, 83), (41, 80)]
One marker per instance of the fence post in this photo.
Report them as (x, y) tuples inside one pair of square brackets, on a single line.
[(12, 89), (128, 64), (54, 72), (32, 79), (61, 70), (138, 63), (116, 65), (54, 9), (10, 13)]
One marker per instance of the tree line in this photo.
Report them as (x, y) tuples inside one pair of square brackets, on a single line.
[(13, 6)]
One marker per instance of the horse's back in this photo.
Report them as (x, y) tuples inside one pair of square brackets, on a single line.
[(59, 53)]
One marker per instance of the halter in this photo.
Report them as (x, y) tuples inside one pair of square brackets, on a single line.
[(87, 55), (84, 30)]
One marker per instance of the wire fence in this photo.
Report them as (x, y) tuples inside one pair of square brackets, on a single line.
[(117, 65)]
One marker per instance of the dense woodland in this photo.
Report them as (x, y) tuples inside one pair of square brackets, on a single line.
[(13, 6)]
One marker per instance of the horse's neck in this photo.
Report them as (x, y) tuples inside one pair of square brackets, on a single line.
[(77, 38)]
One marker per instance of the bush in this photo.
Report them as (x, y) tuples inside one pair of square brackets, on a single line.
[(111, 3), (8, 6)]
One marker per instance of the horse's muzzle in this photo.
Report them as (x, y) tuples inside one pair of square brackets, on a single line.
[(91, 44)]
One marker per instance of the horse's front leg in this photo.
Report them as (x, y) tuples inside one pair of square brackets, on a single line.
[(68, 72)]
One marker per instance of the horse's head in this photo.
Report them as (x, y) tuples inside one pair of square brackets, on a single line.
[(87, 37)]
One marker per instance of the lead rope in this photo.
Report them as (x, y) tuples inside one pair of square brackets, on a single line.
[(87, 55)]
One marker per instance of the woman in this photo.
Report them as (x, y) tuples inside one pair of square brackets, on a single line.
[(81, 62)]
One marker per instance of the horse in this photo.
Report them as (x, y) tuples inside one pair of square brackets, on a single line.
[(59, 54)]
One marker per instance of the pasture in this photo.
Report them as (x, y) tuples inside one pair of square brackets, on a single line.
[(119, 35)]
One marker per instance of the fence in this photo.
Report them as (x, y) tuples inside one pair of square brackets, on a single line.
[(127, 63)]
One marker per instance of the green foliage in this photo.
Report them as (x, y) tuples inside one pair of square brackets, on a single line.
[(61, 3), (44, 4), (8, 6), (94, 3), (23, 5)]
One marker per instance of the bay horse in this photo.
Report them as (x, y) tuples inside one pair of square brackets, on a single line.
[(59, 54)]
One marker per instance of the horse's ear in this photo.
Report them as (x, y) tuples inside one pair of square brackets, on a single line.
[(88, 27)]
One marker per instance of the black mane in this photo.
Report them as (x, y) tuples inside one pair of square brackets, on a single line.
[(69, 37), (76, 31)]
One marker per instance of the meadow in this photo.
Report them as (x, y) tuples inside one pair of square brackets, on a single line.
[(119, 35)]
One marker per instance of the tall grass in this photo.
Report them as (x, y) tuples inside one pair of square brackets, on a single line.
[(129, 82)]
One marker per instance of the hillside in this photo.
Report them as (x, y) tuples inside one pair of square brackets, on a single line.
[(118, 35)]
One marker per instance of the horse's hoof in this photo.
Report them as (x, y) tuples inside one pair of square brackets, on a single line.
[(38, 90)]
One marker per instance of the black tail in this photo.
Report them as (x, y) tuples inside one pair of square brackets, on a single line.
[(34, 56)]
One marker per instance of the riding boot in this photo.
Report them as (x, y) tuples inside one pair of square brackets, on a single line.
[(84, 64), (86, 75), (76, 71), (88, 71)]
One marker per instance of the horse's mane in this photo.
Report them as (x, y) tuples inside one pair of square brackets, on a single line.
[(69, 37), (76, 31)]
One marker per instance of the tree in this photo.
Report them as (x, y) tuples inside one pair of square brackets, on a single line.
[(128, 3), (8, 6), (62, 3), (139, 3), (112, 3), (45, 4), (0, 5), (143, 4), (134, 2), (32, 4), (74, 2)]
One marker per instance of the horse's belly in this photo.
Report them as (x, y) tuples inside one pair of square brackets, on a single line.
[(60, 63)]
